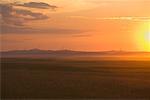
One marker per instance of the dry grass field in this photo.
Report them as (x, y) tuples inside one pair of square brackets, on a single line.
[(24, 78)]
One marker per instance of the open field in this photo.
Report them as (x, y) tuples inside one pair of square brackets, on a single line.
[(65, 78)]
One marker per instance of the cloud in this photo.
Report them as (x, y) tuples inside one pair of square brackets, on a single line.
[(31, 15), (82, 35), (40, 5), (127, 18), (7, 29), (118, 1), (14, 19), (6, 15), (18, 17)]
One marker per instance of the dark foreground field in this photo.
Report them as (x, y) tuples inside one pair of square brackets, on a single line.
[(64, 78)]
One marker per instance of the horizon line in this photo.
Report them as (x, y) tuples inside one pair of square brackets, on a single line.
[(74, 50)]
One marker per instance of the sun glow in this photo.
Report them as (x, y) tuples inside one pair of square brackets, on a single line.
[(148, 36), (142, 35)]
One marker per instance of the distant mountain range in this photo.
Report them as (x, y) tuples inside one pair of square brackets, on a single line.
[(68, 53)]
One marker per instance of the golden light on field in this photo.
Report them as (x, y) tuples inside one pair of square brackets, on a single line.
[(142, 35)]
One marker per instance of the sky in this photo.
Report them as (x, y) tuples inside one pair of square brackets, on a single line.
[(85, 25)]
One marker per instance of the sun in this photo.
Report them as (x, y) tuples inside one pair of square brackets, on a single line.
[(142, 36), (148, 40), (148, 36)]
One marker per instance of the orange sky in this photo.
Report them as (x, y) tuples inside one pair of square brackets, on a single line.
[(90, 25)]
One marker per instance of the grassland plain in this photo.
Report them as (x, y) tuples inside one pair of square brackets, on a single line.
[(26, 78)]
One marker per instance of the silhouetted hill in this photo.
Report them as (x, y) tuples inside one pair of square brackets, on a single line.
[(66, 53)]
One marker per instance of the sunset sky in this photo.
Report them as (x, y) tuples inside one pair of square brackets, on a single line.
[(86, 25)]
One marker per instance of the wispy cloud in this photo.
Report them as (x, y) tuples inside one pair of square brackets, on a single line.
[(17, 17), (13, 20), (6, 29), (40, 5), (82, 35), (118, 1), (127, 18)]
